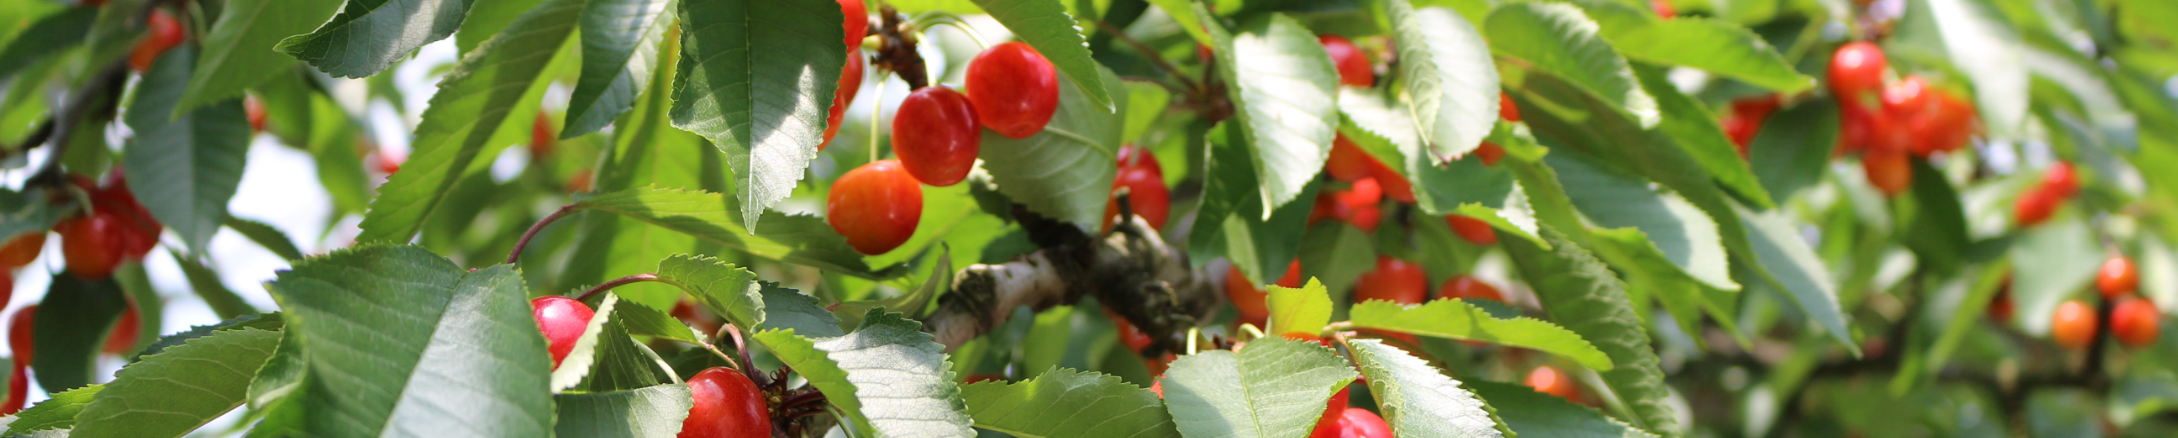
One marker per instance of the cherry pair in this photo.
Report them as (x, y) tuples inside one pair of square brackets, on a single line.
[(727, 404), (116, 228)]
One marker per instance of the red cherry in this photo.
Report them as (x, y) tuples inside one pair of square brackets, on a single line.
[(2134, 322), (1741, 130), (1395, 185), (165, 33), (91, 244), (1490, 153), (1327, 425), (685, 310), (850, 83), (1549, 380), (1856, 129), (125, 332), (1945, 125), (1907, 98), (2035, 206), (1393, 280), (935, 136), (1131, 156), (2119, 277), (140, 231), (1663, 8), (1758, 107), (856, 22), (1347, 161), (1474, 230), (2073, 326), (18, 391), (389, 162), (1014, 88), (19, 334), (254, 109), (541, 137), (2060, 179), (1360, 423), (1307, 337), (728, 405), (1358, 205), (1891, 172), (563, 320), (1132, 337), (1251, 301), (1856, 69), (21, 250), (1505, 108), (1469, 288), (1353, 64), (877, 206), (2001, 307), (1146, 196)]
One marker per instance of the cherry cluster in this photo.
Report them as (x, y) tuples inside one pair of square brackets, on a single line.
[(164, 32), (2132, 320), (1885, 122), (94, 243), (727, 404), (2058, 184)]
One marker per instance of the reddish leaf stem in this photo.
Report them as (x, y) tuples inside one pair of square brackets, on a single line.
[(532, 233), (617, 282)]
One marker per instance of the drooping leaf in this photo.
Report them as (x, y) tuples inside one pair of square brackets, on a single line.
[(1273, 388), (756, 78), (620, 46), (172, 393), (1612, 199), (804, 240), (787, 309), (1531, 413), (442, 352), (472, 103), (728, 290), (184, 169), (28, 212), (651, 412), (1588, 299), (1064, 403), (1728, 50), (1227, 224), (644, 320), (266, 236), (1285, 100), (1558, 39), (1045, 25), (1417, 400), (49, 35), (1795, 269), (71, 326), (1451, 81), (238, 51), (1697, 132), (888, 376), (1304, 310), (1065, 171), (1793, 147), (646, 150), (1981, 45), (1457, 319), (259, 321), (1936, 227), (56, 413), (370, 35)]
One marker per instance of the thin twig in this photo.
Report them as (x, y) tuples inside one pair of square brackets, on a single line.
[(617, 282), (533, 229)]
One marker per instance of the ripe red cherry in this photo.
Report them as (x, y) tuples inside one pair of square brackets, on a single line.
[(850, 83), (1856, 129), (1347, 161), (1549, 380), (1353, 64), (1146, 196), (2060, 179), (1468, 287), (541, 137), (877, 206), (1474, 230), (1395, 185), (2034, 206), (935, 135), (1889, 171), (1393, 280), (1249, 300), (140, 231), (1663, 8), (19, 334), (1856, 69), (2134, 322), (1490, 153), (728, 405), (1360, 423), (856, 21), (1014, 88), (1131, 156), (254, 109), (2119, 277), (1358, 205), (164, 33), (2001, 307), (1945, 126), (2073, 326), (91, 244), (1907, 98), (1327, 425), (1505, 108), (21, 250), (563, 320), (1741, 130), (125, 332)]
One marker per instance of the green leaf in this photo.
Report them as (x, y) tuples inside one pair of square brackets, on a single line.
[(1935, 223), (487, 19), (647, 321), (238, 50), (804, 240), (56, 413), (756, 78), (577, 365), (1451, 82), (728, 290), (1557, 39), (1146, 104), (48, 36), (172, 393), (1696, 131), (1581, 293), (1612, 199), (443, 352), (1183, 13), (1417, 400), (912, 303), (1227, 225), (260, 321), (651, 412), (266, 236), (787, 309), (1982, 46), (1793, 147), (1064, 403), (1045, 25), (2058, 258), (1728, 50), (1285, 97), (621, 363), (888, 376), (1274, 388), (1531, 413), (1338, 255), (472, 103), (1065, 171), (280, 377), (1647, 269), (1389, 134), (370, 35), (71, 326), (1305, 309), (184, 169), (1795, 269), (620, 44), (1458, 319)]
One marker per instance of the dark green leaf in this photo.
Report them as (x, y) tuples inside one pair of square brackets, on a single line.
[(756, 78), (1064, 403), (2063, 255), (1531, 413), (652, 412), (1612, 199), (259, 321), (1793, 147), (70, 327), (1451, 81), (1045, 25), (56, 413), (172, 393), (728, 290), (1727, 50), (1936, 223), (647, 321), (1557, 39), (912, 303), (1273, 388), (1226, 224), (266, 236), (622, 364), (238, 51), (578, 364), (472, 103), (28, 212), (1457, 319), (1581, 293), (1285, 100), (646, 149), (370, 35), (1697, 132), (50, 35), (786, 309), (1796, 270), (888, 376), (1418, 400), (804, 240), (1065, 171), (184, 169), (280, 377), (620, 43)]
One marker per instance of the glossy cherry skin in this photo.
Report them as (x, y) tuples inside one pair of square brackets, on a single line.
[(1856, 129), (254, 110), (125, 332), (1352, 63), (728, 405), (91, 244), (935, 135), (1395, 185), (2118, 277), (1358, 205), (1327, 425), (1549, 380), (1489, 153), (141, 231), (2061, 180), (1856, 69), (1347, 161), (2134, 322), (1474, 230), (1360, 423), (563, 320), (1946, 126), (877, 206), (1249, 300), (850, 83), (1505, 108), (164, 32), (2073, 326), (855, 22), (2034, 206), (1134, 157), (1014, 88), (19, 334), (1891, 172), (1393, 280), (22, 250), (1147, 196), (1468, 287)]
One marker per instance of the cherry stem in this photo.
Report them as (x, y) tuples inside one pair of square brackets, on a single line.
[(1154, 57), (877, 111), (532, 233), (947, 18), (747, 366), (617, 282)]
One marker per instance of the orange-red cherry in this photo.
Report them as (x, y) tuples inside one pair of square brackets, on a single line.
[(1130, 336), (254, 109), (2119, 277), (1251, 301), (934, 134), (1505, 108), (2134, 322), (1468, 287), (1855, 70), (1347, 161), (1890, 171), (1549, 380), (562, 320), (2073, 326), (1327, 425), (164, 33), (2034, 206), (1147, 196), (1015, 90), (1476, 231), (728, 405), (1489, 153), (850, 83), (22, 250), (19, 334), (125, 332), (855, 21), (877, 206), (541, 138), (1352, 62), (91, 244), (2061, 180), (1394, 280), (1360, 423), (1395, 185)]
